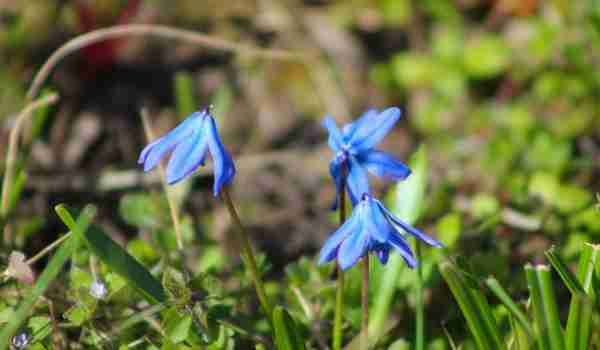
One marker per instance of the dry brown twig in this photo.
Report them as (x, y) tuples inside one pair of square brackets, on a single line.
[(161, 31)]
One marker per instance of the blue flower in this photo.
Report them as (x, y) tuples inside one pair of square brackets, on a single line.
[(189, 143), (371, 228), (355, 153)]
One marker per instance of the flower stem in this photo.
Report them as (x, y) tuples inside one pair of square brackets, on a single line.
[(364, 340), (339, 295), (419, 318), (248, 254), (173, 210)]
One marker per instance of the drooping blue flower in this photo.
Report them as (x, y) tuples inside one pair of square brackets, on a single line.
[(187, 145), (355, 153), (371, 228)]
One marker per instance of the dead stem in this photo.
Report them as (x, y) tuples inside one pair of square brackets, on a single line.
[(161, 31)]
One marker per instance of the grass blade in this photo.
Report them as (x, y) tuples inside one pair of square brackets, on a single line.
[(48, 275), (110, 253), (474, 307), (579, 323), (512, 307), (588, 262), (565, 274), (577, 334), (287, 334), (521, 340), (545, 311), (408, 199)]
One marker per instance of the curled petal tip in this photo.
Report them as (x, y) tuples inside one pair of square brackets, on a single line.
[(411, 263)]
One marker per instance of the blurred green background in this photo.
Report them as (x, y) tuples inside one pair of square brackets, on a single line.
[(503, 94)]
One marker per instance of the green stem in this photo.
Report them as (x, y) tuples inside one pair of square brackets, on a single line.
[(173, 210), (248, 254), (419, 318), (339, 295), (364, 340)]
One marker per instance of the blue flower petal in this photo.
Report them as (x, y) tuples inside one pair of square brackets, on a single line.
[(411, 230), (366, 118), (153, 153), (330, 248), (188, 155), (384, 165), (352, 249), (370, 133), (403, 249), (223, 164), (147, 149), (357, 181), (374, 220), (335, 140)]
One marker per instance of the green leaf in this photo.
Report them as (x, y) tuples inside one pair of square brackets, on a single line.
[(545, 310), (579, 323), (40, 326), (512, 307), (577, 335), (565, 274), (520, 338), (177, 326), (486, 56), (66, 217), (449, 228), (484, 205), (474, 307), (396, 13), (407, 204), (588, 262), (287, 334), (50, 272), (142, 210), (78, 314), (113, 255), (400, 344), (414, 70)]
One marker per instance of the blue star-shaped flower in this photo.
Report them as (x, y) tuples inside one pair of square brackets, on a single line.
[(189, 143), (355, 152), (371, 228)]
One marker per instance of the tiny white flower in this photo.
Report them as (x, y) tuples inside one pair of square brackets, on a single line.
[(98, 289), (20, 341)]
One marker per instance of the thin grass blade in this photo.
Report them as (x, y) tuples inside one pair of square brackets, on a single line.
[(579, 324), (578, 331), (589, 262), (474, 307), (408, 198), (547, 323), (568, 277), (512, 307), (287, 334), (521, 340)]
